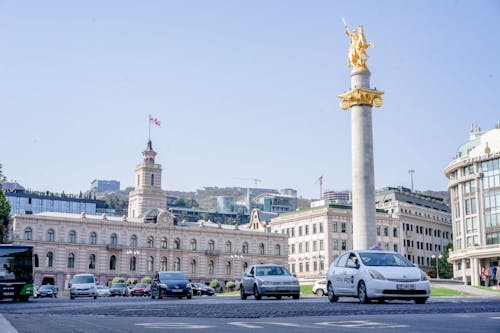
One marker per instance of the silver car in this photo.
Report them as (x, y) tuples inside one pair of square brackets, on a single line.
[(269, 280)]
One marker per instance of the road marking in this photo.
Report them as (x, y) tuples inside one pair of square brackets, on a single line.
[(174, 326), (494, 317), (253, 324), (361, 324), (466, 315), (6, 326)]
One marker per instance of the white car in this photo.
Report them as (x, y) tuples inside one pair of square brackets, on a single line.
[(103, 291), (319, 288), (376, 275)]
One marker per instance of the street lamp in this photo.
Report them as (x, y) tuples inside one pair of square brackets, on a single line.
[(437, 258)]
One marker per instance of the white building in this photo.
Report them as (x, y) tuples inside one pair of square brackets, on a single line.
[(474, 185)]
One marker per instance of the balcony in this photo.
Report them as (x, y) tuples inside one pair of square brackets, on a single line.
[(212, 252), (114, 247)]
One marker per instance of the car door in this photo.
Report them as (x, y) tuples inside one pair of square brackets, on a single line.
[(338, 275), (351, 275), (248, 279)]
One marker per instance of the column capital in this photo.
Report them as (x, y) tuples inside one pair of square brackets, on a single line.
[(359, 96)]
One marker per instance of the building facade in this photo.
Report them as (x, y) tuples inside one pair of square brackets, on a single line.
[(425, 223), (151, 240), (318, 235), (474, 185), (99, 185)]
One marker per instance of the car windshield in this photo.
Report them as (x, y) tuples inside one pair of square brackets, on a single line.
[(101, 287), (140, 285), (271, 270), (201, 285), (118, 285), (172, 276), (83, 279), (384, 259), (46, 287)]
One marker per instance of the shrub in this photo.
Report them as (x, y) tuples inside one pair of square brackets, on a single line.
[(131, 281), (146, 280), (117, 279), (214, 284), (230, 285)]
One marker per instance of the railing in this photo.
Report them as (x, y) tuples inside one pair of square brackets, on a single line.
[(212, 252), (116, 247)]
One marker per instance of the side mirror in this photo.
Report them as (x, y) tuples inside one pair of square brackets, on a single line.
[(352, 264), (294, 275)]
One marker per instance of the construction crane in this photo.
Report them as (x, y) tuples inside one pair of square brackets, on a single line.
[(320, 181)]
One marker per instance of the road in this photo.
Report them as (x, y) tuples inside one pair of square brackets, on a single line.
[(230, 314)]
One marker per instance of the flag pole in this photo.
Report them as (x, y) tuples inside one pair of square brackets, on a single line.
[(149, 131)]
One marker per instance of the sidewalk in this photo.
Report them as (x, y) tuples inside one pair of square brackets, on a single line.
[(464, 288)]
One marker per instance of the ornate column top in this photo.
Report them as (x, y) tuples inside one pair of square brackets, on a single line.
[(359, 96)]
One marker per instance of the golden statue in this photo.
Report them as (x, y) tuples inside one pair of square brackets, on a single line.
[(357, 49)]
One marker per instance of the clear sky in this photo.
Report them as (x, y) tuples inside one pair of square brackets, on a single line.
[(243, 89)]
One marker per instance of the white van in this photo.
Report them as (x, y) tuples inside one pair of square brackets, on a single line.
[(82, 285)]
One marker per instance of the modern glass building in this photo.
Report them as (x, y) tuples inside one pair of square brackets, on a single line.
[(474, 185)]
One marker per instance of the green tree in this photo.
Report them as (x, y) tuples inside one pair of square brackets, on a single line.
[(146, 280), (230, 285), (117, 279), (214, 284), (4, 216), (445, 268)]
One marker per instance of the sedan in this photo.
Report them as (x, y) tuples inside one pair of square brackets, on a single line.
[(200, 289), (170, 284), (319, 288), (269, 280), (139, 289), (103, 291), (119, 289), (46, 290), (376, 275)]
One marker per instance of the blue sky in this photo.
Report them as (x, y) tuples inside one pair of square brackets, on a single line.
[(244, 89)]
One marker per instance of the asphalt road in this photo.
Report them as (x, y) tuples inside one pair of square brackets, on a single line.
[(230, 314)]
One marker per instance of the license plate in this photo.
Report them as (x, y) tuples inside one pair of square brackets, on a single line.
[(282, 288), (405, 286), (176, 290), (9, 294)]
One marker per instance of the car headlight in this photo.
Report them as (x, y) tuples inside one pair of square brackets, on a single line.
[(423, 276), (296, 282), (73, 289), (376, 275), (161, 285)]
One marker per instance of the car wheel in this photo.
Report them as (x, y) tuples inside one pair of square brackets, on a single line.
[(242, 293), (420, 300), (72, 297), (320, 292), (189, 296), (331, 294), (278, 297), (256, 293), (363, 298), (95, 297), (296, 296)]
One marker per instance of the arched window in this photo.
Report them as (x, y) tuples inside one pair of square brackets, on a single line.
[(28, 234), (112, 263), (228, 247), (133, 263), (193, 266), (177, 264), (193, 244), (151, 242), (245, 266), (151, 264), (50, 259), (261, 249), (133, 241), (72, 236), (244, 247), (163, 243), (92, 261), (93, 238), (71, 260), (51, 235), (211, 245), (211, 267), (114, 239), (177, 244), (152, 179), (277, 250), (228, 268), (164, 264)]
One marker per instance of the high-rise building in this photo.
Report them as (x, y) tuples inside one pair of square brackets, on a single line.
[(99, 185), (474, 185)]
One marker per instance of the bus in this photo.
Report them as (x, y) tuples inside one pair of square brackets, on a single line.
[(16, 272)]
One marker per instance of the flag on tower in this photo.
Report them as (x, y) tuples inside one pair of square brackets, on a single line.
[(154, 120)]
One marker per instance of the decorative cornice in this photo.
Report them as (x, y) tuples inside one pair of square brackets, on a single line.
[(360, 96)]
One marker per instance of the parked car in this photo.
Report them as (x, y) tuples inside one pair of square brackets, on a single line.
[(147, 290), (269, 280), (103, 291), (200, 289), (376, 275), (319, 288), (46, 290), (170, 284), (119, 289), (82, 285), (139, 289)]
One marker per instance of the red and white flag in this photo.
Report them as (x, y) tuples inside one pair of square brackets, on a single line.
[(154, 120)]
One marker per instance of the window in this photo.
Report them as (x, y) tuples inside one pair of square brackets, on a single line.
[(150, 242), (306, 246), (344, 245), (386, 231), (151, 264), (177, 244), (314, 228), (334, 227), (321, 228), (71, 260), (72, 237), (211, 267), (228, 268), (343, 227), (261, 249), (50, 259), (315, 246), (300, 248), (211, 245), (114, 239), (293, 232), (133, 241), (378, 231), (133, 264), (152, 179), (293, 248), (28, 234), (301, 267), (93, 238), (395, 232), (470, 206), (193, 266), (228, 247), (244, 247), (293, 268), (50, 235), (112, 263), (321, 245), (164, 264), (307, 266), (300, 231), (307, 230), (335, 244), (177, 264), (277, 250), (163, 243), (193, 244)]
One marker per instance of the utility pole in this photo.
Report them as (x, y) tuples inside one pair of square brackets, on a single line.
[(411, 172)]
